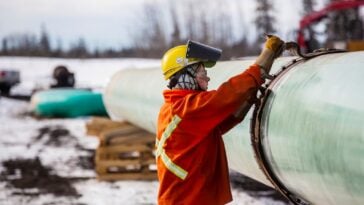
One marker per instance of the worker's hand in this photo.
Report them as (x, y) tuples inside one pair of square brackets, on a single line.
[(273, 48), (275, 44)]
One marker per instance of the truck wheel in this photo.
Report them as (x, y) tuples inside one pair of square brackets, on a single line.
[(5, 90)]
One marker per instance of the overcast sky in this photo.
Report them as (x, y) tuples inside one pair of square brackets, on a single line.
[(107, 23)]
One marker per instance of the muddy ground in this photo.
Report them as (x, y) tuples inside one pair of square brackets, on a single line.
[(31, 178)]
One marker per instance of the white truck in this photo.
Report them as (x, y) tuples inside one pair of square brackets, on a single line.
[(8, 78)]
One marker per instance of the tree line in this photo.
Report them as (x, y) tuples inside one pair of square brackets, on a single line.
[(164, 26)]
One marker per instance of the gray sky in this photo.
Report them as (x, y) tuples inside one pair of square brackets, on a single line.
[(108, 23)]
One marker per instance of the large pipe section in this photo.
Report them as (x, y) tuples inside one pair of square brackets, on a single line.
[(311, 123)]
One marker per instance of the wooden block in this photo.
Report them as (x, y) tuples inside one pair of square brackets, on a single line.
[(121, 132), (124, 163), (123, 166), (123, 148), (118, 166), (97, 125), (135, 138)]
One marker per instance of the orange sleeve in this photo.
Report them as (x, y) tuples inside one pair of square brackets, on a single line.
[(229, 123), (213, 107)]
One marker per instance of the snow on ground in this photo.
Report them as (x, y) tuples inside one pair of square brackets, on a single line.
[(18, 140), (94, 73), (62, 146)]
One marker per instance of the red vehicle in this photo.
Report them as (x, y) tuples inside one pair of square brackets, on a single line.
[(317, 16)]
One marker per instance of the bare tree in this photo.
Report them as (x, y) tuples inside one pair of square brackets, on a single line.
[(191, 20), (310, 34), (211, 25), (204, 28), (223, 21), (22, 44), (308, 6), (162, 29), (176, 37), (242, 47), (152, 39)]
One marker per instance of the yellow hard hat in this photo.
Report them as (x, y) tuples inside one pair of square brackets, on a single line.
[(174, 60)]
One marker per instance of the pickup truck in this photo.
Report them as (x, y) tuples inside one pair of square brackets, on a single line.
[(8, 78)]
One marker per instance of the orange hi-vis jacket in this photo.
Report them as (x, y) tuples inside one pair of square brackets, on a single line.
[(191, 159)]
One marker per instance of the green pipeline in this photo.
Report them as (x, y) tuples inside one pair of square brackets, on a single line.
[(312, 123)]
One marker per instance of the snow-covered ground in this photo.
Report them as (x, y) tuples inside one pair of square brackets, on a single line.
[(36, 73), (63, 147)]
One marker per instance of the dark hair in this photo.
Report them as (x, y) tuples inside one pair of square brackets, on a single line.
[(174, 78)]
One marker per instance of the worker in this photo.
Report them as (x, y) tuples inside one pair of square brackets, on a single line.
[(191, 159), (63, 77)]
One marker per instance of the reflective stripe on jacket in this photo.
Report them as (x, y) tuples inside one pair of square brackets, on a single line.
[(175, 169), (191, 159)]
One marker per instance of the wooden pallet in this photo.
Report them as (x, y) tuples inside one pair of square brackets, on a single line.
[(125, 151)]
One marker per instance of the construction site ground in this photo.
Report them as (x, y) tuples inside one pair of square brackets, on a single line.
[(52, 161)]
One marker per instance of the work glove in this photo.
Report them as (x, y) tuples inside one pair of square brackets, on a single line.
[(273, 48)]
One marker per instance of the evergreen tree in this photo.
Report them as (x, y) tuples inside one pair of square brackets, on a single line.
[(44, 45), (58, 52), (79, 49), (264, 20), (4, 47)]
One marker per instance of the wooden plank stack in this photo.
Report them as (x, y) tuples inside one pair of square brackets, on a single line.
[(125, 151)]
